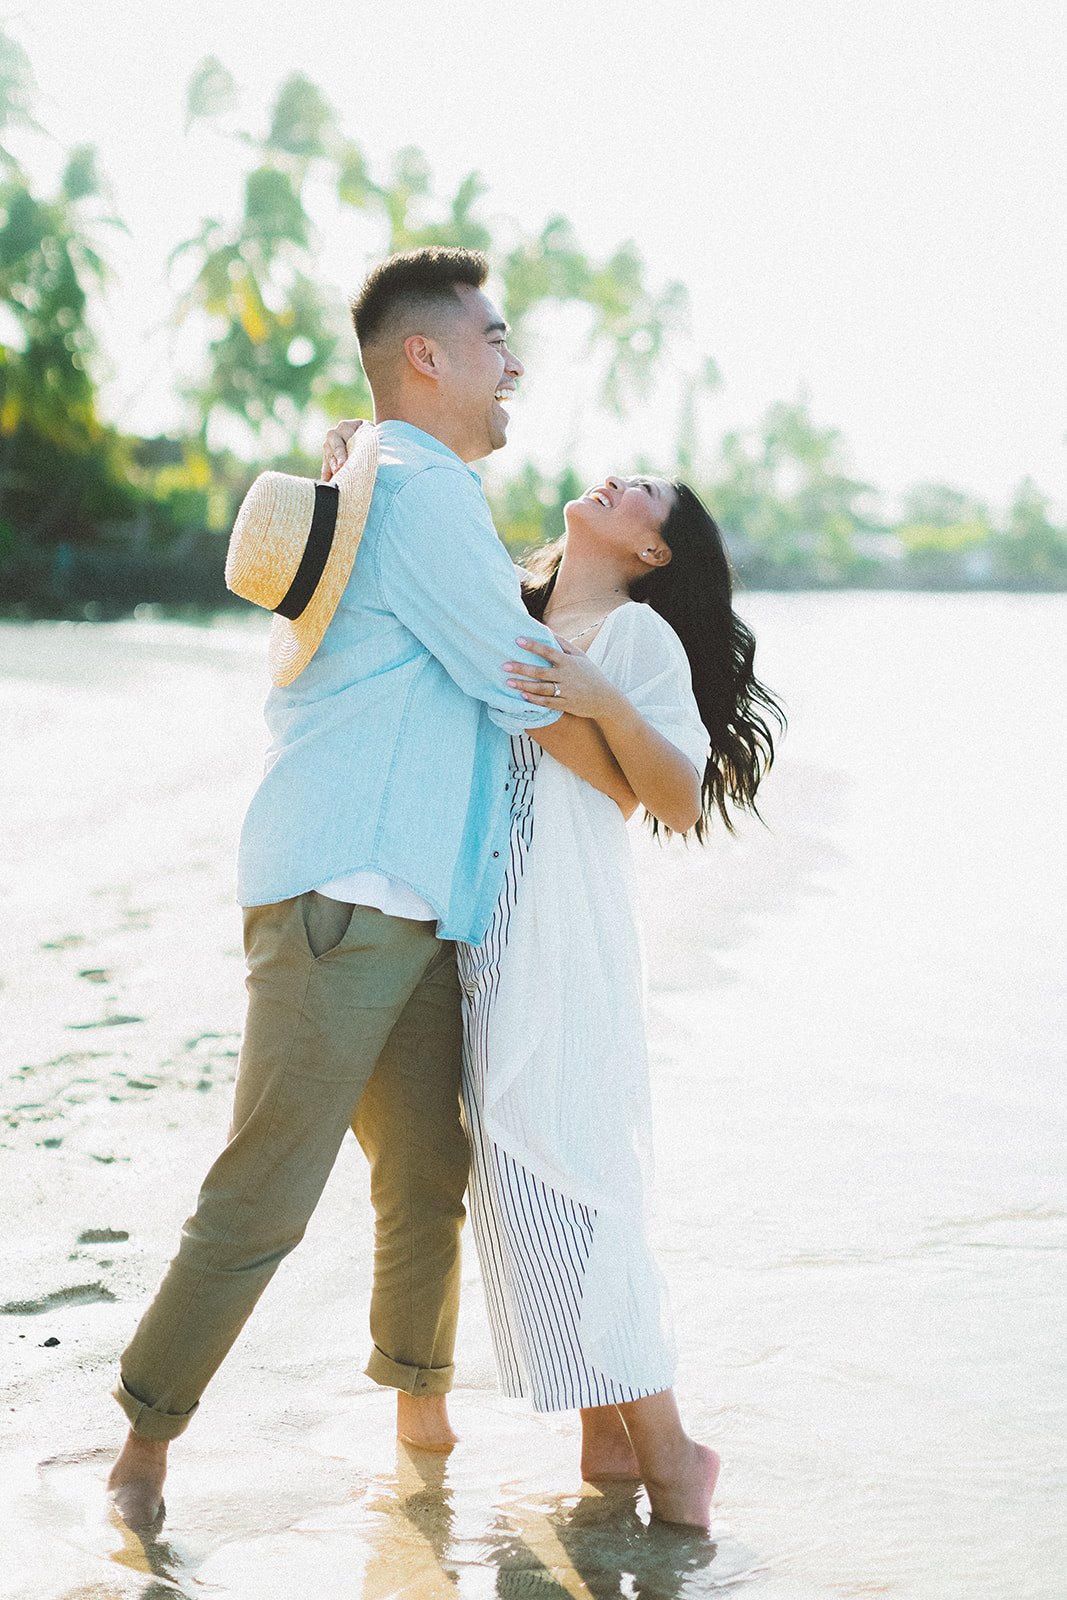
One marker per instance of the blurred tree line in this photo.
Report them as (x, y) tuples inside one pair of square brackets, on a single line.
[(93, 521)]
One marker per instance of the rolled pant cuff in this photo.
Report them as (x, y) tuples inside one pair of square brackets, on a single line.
[(146, 1421), (413, 1380)]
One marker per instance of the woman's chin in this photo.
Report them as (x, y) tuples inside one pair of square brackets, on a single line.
[(581, 514)]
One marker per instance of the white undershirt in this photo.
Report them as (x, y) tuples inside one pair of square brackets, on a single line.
[(375, 889)]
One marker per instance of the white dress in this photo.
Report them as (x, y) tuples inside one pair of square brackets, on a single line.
[(555, 1084)]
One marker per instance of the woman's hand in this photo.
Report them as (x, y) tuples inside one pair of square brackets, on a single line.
[(656, 772), (568, 682), (335, 447)]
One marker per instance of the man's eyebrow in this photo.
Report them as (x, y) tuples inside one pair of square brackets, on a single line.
[(497, 327)]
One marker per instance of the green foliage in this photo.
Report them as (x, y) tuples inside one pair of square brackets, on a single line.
[(61, 470), (785, 491), (940, 539), (354, 185), (401, 203), (255, 275), (935, 505), (211, 91), (81, 177), (302, 123), (274, 216), (705, 381), (47, 266), (629, 321), (945, 532), (528, 510), (16, 91), (1030, 545), (181, 487), (275, 353), (794, 518)]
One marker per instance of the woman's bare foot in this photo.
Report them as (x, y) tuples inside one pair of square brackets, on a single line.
[(422, 1421), (135, 1486), (684, 1495), (678, 1473), (607, 1454)]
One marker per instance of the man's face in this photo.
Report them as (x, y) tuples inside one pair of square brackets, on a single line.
[(478, 376)]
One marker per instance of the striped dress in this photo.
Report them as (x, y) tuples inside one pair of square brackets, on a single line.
[(533, 1242), (555, 1074)]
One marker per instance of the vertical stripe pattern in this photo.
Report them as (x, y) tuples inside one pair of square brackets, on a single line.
[(533, 1242)]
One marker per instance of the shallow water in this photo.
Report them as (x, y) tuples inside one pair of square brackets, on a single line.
[(857, 1020)]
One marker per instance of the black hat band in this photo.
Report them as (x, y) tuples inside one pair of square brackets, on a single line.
[(297, 597)]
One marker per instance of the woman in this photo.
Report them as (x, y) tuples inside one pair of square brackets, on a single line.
[(555, 1075)]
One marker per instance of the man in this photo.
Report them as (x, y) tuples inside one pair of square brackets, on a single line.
[(375, 839)]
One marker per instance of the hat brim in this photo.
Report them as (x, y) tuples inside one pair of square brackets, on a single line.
[(293, 643)]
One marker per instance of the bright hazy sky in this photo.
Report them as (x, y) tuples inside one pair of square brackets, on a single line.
[(865, 198)]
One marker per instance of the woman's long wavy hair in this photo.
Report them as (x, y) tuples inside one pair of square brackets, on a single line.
[(694, 593)]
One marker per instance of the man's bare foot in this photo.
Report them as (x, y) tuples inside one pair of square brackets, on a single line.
[(135, 1487), (607, 1454), (683, 1495), (422, 1421)]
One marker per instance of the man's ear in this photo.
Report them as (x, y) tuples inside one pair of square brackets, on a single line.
[(424, 355)]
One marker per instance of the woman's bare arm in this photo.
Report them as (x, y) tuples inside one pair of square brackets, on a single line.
[(659, 776), (580, 745)]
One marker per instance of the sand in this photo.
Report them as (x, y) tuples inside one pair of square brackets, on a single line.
[(133, 751), (856, 1019)]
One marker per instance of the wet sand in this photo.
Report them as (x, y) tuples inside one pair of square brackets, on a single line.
[(857, 1024)]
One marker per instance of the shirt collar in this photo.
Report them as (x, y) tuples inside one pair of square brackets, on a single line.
[(394, 428)]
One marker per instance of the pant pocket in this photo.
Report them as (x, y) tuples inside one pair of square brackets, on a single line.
[(325, 921)]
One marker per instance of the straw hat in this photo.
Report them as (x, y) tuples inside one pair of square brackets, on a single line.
[(292, 548)]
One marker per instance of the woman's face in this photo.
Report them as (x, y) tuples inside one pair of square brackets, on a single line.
[(626, 512)]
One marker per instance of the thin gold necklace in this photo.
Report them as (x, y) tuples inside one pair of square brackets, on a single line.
[(574, 637)]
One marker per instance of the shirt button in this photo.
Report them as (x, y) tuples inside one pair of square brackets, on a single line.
[(507, 786), (495, 854)]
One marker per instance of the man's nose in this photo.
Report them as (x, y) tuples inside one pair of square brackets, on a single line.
[(514, 365)]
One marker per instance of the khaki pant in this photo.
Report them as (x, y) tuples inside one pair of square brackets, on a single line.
[(366, 1035)]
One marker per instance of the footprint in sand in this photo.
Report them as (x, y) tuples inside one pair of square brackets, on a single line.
[(79, 1294), (105, 1022), (67, 1513), (141, 918)]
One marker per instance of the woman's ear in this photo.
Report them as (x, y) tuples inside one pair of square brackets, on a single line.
[(656, 555)]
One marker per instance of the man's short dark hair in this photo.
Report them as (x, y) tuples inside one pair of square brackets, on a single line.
[(414, 281)]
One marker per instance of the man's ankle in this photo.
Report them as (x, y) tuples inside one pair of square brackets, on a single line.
[(422, 1421), (135, 1483)]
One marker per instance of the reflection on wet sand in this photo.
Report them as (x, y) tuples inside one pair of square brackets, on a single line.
[(591, 1543), (147, 1551), (422, 1538), (425, 1529)]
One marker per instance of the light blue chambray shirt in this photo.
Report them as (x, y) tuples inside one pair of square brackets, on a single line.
[(389, 752)]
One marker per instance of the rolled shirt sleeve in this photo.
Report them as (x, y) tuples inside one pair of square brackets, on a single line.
[(447, 577)]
